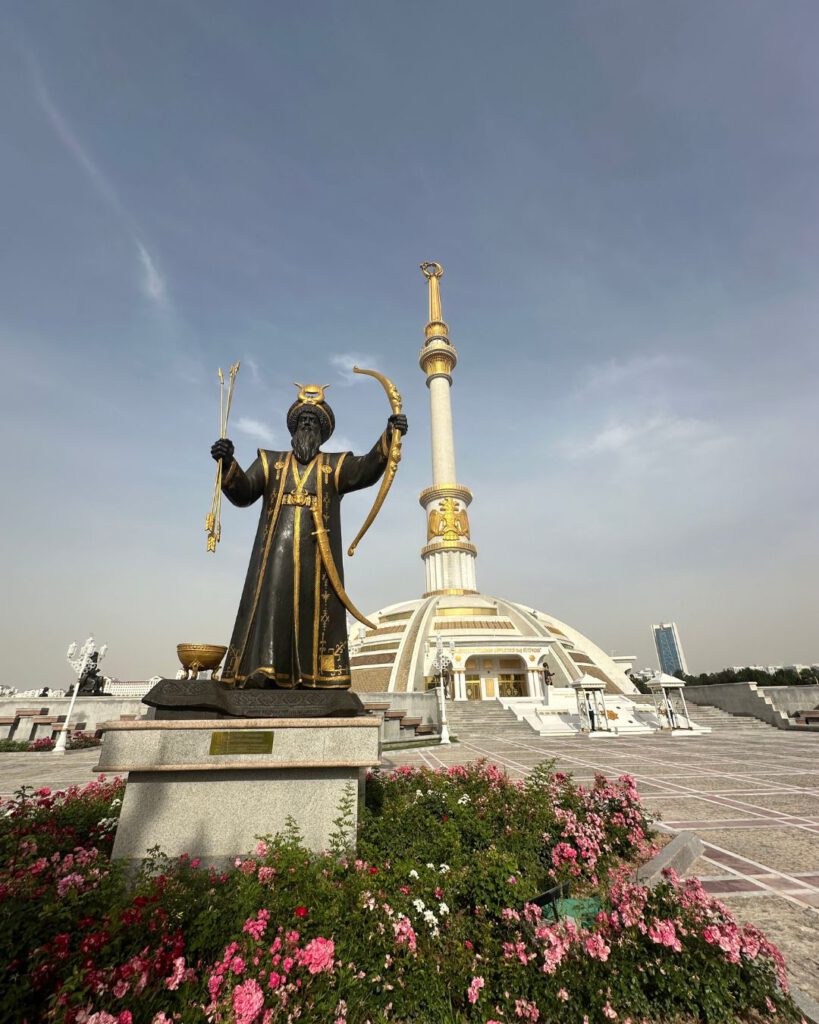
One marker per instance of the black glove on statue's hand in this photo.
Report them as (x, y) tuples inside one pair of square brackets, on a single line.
[(398, 423), (223, 451)]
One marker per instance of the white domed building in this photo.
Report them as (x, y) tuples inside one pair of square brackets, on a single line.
[(496, 648), (491, 649)]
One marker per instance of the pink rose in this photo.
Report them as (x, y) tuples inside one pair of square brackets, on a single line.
[(317, 955), (248, 1001)]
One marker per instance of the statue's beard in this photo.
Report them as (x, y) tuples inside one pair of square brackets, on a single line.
[(306, 442)]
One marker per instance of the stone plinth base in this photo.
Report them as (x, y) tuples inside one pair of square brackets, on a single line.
[(208, 788), (211, 698)]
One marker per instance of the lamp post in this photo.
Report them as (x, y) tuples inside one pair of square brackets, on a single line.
[(80, 663), (440, 662)]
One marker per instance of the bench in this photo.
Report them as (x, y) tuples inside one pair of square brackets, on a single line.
[(42, 725), (19, 715)]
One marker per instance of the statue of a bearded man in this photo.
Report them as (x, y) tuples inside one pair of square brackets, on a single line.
[(291, 627)]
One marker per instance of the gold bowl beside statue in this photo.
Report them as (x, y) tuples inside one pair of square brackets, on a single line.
[(196, 658)]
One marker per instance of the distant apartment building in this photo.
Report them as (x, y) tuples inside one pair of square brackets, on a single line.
[(669, 648)]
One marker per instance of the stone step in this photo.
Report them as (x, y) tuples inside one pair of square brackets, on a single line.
[(483, 720), (723, 721)]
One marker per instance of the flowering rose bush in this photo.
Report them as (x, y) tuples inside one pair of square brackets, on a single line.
[(41, 745), (431, 919), (83, 740)]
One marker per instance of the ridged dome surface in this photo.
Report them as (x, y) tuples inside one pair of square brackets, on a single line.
[(499, 649)]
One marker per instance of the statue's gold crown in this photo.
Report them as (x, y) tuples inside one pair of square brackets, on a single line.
[(312, 394)]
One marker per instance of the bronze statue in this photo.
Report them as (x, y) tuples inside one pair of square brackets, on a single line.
[(291, 628)]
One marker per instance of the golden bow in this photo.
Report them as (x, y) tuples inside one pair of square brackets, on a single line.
[(393, 458)]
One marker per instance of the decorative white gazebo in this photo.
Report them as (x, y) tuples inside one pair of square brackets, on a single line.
[(672, 711), (591, 705)]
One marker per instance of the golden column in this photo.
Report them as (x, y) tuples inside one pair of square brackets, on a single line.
[(449, 556)]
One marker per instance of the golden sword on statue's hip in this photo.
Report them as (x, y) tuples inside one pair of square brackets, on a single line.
[(320, 533), (393, 458)]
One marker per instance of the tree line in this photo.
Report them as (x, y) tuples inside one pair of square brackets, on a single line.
[(781, 677)]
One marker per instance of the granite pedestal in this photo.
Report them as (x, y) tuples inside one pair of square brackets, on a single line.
[(208, 787)]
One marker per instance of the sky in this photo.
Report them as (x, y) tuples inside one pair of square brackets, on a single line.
[(625, 198)]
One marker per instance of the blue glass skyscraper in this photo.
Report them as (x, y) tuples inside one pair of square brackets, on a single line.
[(669, 648)]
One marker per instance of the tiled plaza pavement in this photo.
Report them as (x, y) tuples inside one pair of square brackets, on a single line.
[(58, 771), (750, 793)]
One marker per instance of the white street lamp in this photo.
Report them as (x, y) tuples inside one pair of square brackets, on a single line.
[(440, 662), (80, 663)]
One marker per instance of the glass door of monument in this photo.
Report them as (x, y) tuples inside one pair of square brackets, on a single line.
[(512, 684), (473, 686)]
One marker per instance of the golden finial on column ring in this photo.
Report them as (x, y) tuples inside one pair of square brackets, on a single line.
[(432, 270)]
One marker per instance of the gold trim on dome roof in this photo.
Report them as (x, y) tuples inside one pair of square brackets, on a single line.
[(453, 610), (451, 592), (471, 625)]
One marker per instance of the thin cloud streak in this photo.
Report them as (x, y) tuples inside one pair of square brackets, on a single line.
[(256, 429), (344, 363), (152, 283), (646, 438), (617, 373), (341, 443)]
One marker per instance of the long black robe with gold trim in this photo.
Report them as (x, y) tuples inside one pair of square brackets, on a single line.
[(291, 627)]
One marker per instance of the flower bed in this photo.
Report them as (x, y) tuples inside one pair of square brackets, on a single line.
[(76, 741), (431, 920), (20, 746)]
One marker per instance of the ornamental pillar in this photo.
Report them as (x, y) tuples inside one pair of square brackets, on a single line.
[(449, 555), (533, 677)]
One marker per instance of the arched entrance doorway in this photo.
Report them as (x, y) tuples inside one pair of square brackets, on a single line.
[(488, 677), (512, 680)]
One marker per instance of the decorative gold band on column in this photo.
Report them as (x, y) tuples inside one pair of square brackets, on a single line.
[(445, 491), (438, 357), (449, 545), (436, 329)]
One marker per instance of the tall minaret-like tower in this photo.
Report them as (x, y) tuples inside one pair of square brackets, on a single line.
[(449, 557)]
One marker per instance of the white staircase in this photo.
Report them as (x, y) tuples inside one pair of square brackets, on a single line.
[(722, 721), (481, 719)]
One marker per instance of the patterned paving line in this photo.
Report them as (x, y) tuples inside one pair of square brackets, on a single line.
[(735, 863), (735, 824), (764, 814)]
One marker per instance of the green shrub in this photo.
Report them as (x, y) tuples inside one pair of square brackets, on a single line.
[(431, 920), (9, 746)]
